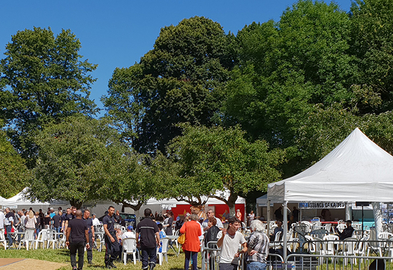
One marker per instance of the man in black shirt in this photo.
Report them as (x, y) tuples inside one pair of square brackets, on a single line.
[(148, 231), (89, 224), (347, 232), (77, 236), (111, 244)]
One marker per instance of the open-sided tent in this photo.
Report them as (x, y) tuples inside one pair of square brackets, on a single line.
[(356, 170)]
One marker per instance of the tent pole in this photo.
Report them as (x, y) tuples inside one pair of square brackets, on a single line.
[(268, 217), (285, 231)]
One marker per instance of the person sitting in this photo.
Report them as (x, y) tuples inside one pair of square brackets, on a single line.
[(276, 230), (347, 232)]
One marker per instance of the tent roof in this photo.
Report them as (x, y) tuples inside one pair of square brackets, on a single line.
[(356, 170), (262, 201)]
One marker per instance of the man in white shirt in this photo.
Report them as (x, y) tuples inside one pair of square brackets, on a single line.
[(229, 241), (96, 221), (210, 213)]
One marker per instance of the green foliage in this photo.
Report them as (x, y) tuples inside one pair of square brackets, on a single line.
[(74, 158), (13, 171), (179, 81), (215, 158), (372, 44), (45, 81)]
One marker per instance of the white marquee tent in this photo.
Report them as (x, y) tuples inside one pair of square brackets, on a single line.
[(356, 170)]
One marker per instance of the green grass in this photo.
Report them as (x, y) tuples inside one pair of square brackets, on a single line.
[(63, 256)]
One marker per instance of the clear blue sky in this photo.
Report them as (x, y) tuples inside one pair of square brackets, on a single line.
[(118, 33)]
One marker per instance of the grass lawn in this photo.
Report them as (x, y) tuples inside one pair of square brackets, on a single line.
[(63, 256)]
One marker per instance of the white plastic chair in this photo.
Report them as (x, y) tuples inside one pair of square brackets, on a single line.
[(362, 247), (129, 247), (349, 245), (41, 238), (328, 244), (164, 251), (27, 239), (3, 239), (52, 239), (341, 226)]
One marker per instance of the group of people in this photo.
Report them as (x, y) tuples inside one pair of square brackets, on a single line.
[(227, 240)]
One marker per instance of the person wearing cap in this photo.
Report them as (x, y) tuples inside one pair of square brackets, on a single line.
[(128, 234), (96, 221), (347, 232)]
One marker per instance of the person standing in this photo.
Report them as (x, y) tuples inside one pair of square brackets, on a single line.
[(148, 231), (257, 247), (229, 241), (239, 215), (89, 224), (211, 213), (111, 244), (76, 239), (191, 246), (9, 222)]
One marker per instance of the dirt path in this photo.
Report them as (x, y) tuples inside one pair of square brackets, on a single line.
[(28, 264)]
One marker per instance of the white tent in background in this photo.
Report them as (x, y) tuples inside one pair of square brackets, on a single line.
[(356, 170)]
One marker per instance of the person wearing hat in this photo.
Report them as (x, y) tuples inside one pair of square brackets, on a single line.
[(129, 233), (347, 232), (96, 221)]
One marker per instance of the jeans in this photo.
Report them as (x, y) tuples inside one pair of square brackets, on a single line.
[(256, 266), (191, 255), (9, 234), (74, 247), (149, 257)]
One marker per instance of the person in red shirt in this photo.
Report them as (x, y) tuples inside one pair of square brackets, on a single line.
[(191, 247)]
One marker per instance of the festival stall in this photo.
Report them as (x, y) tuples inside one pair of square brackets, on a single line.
[(357, 170)]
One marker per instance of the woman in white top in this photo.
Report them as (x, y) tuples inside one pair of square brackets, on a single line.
[(31, 221)]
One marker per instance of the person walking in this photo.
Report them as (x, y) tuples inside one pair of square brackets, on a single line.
[(229, 241), (89, 224), (191, 246), (9, 222), (77, 237), (257, 247), (111, 244), (148, 232)]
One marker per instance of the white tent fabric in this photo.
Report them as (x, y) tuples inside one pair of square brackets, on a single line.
[(356, 170), (262, 201)]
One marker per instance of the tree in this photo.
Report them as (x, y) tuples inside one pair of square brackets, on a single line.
[(13, 171), (134, 178), (214, 159), (179, 81), (372, 44), (45, 81), (73, 160)]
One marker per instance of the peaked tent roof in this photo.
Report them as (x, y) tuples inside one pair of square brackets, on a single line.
[(356, 170)]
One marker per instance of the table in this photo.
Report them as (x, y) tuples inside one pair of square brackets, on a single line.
[(173, 238)]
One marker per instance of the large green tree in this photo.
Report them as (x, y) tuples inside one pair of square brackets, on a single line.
[(179, 80), (14, 174), (216, 159), (45, 80), (74, 159)]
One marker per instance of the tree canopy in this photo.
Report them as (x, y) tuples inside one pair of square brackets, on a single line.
[(45, 81), (215, 159), (179, 81), (74, 158)]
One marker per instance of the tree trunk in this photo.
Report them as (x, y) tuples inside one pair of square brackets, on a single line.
[(231, 204)]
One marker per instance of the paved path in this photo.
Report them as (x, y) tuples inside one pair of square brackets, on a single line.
[(28, 264)]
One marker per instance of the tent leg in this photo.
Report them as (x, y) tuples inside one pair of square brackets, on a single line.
[(285, 231)]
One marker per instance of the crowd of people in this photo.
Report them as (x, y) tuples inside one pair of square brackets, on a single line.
[(79, 229)]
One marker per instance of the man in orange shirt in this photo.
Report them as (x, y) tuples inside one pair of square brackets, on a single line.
[(191, 247)]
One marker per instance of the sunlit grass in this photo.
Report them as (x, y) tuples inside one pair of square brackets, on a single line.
[(63, 256)]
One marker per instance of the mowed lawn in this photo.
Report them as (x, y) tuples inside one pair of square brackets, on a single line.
[(63, 256)]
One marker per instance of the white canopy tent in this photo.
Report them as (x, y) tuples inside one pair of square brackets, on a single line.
[(356, 170)]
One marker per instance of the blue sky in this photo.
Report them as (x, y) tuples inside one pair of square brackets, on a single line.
[(118, 33)]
